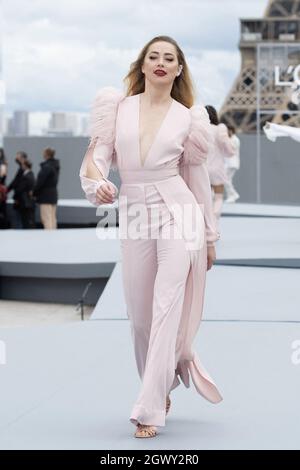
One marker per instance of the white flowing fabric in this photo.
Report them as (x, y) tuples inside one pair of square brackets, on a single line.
[(273, 131)]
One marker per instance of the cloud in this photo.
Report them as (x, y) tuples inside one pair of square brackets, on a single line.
[(56, 54), (212, 74)]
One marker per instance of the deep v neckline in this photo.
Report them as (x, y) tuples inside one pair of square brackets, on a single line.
[(142, 164)]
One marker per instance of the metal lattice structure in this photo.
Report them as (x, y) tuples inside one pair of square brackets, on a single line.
[(280, 27)]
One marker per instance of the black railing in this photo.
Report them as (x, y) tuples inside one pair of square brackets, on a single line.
[(80, 305)]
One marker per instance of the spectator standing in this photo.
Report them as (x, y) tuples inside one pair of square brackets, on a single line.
[(45, 190), (3, 166), (24, 196), (14, 185), (3, 190)]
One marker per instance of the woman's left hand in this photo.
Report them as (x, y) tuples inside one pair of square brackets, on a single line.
[(211, 257)]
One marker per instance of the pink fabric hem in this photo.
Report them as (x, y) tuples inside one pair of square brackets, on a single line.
[(203, 383), (143, 415)]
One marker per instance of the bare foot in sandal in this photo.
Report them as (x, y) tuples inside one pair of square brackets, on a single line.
[(145, 430)]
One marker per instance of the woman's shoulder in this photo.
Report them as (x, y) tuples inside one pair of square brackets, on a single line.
[(182, 108), (199, 138), (183, 114), (199, 115), (107, 96), (195, 114), (103, 112)]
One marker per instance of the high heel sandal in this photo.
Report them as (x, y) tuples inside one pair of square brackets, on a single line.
[(145, 430), (168, 404)]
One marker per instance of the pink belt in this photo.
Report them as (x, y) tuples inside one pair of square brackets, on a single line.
[(147, 176)]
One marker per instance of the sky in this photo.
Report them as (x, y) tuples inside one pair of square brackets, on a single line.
[(56, 54)]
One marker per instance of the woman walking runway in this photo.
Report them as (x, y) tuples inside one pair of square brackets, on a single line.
[(221, 149), (158, 139)]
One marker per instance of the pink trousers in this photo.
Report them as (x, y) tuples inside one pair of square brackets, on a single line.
[(154, 272)]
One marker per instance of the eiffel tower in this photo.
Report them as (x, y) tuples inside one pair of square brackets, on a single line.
[(280, 25)]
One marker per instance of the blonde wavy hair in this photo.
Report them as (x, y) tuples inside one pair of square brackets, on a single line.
[(183, 89)]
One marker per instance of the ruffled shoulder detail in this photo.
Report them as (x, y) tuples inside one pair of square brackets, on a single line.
[(199, 138), (103, 113)]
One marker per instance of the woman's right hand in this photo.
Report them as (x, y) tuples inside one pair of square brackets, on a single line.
[(106, 193), (211, 257)]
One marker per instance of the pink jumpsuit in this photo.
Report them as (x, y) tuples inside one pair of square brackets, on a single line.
[(222, 148), (163, 275)]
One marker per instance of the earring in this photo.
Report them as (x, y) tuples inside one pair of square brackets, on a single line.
[(180, 70)]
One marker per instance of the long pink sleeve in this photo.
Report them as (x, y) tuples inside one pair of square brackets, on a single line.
[(194, 171), (100, 150), (224, 142)]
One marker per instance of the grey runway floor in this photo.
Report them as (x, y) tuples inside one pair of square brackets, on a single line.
[(242, 238), (73, 386), (248, 294)]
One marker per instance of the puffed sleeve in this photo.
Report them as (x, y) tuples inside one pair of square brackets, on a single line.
[(100, 150), (224, 142), (193, 167)]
